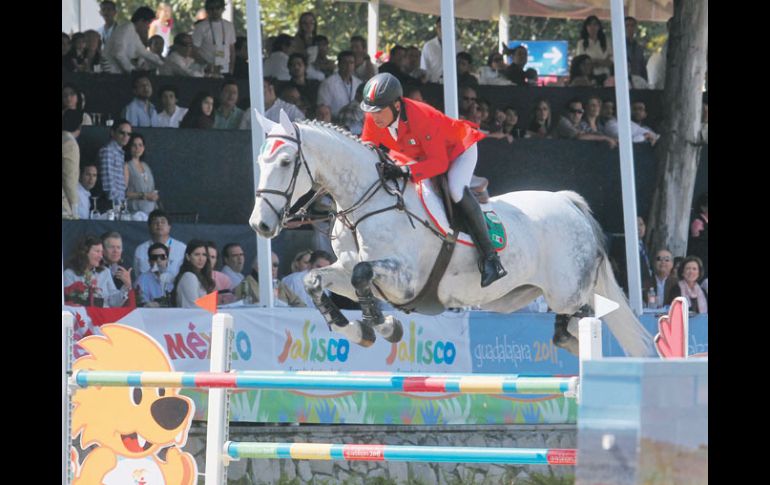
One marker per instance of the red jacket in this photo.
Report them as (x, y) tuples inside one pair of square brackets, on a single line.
[(425, 135)]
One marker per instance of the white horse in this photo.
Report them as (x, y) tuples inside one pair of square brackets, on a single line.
[(555, 247)]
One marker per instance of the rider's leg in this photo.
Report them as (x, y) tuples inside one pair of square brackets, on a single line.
[(459, 176)]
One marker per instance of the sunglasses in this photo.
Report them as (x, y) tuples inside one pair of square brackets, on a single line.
[(161, 257), (663, 258), (580, 111), (466, 98)]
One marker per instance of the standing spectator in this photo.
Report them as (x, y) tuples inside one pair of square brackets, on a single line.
[(160, 231), (689, 273), (87, 181), (86, 281), (108, 11), (140, 112), (126, 44), (300, 77), (540, 123), (241, 65), (171, 115), (155, 45), (594, 43), (222, 283), (215, 39), (70, 162), (306, 34), (201, 112), (154, 287), (493, 73), (234, 259), (228, 116), (634, 51), (76, 57), (277, 63), (93, 52), (163, 25), (112, 159), (339, 89), (140, 183), (664, 278), (365, 68), (395, 64), (112, 243), (412, 65), (644, 260), (656, 65), (698, 245), (322, 61), (194, 279), (431, 60), (516, 73), (180, 61)]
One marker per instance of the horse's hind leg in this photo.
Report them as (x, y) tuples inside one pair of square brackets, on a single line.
[(354, 331), (387, 326), (565, 330)]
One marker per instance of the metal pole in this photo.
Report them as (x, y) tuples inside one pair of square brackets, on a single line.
[(625, 146), (373, 28), (217, 427), (503, 24), (448, 57), (254, 44)]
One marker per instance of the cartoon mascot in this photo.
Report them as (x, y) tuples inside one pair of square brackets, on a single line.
[(138, 432)]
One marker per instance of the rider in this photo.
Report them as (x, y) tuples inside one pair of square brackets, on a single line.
[(438, 144)]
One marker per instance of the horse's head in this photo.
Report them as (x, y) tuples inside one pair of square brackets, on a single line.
[(282, 178)]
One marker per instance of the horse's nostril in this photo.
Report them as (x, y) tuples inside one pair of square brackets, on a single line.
[(263, 227)]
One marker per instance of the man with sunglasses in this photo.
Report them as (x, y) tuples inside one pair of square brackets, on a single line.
[(160, 232), (112, 159), (154, 286), (572, 126)]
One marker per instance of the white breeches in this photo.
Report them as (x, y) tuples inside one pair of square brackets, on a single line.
[(461, 171)]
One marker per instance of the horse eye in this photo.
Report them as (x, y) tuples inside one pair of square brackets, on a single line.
[(285, 162)]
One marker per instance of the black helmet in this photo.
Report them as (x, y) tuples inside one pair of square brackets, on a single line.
[(380, 92)]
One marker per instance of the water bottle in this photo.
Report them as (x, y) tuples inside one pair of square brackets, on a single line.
[(651, 298)]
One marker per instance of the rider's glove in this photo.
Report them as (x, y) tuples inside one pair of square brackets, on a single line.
[(395, 172)]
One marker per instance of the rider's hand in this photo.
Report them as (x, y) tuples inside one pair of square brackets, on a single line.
[(395, 172)]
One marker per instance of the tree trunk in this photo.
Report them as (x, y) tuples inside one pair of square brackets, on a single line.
[(677, 150)]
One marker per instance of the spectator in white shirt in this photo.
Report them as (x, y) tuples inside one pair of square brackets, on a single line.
[(180, 61), (87, 181), (160, 231), (339, 89), (234, 259), (273, 106), (277, 63), (108, 11), (171, 114), (431, 60), (214, 39), (126, 46)]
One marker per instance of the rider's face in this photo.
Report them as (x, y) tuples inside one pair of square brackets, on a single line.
[(385, 117)]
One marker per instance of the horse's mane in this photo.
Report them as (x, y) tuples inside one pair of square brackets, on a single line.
[(333, 129)]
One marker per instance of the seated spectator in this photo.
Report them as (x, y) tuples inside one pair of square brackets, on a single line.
[(66, 44), (112, 242), (364, 67), (511, 123), (277, 63), (75, 60), (413, 91), (194, 279), (86, 281), (293, 286), (515, 72), (241, 69), (156, 45), (306, 37), (395, 64), (339, 89), (93, 51), (274, 105), (581, 72), (71, 122), (140, 112), (301, 260), (594, 43), (72, 98), (234, 259), (639, 134), (306, 81), (468, 102), (87, 181), (228, 116), (140, 183), (664, 279), (124, 47), (540, 123), (698, 244), (352, 116), (222, 283), (323, 113), (639, 114), (493, 73), (154, 287), (464, 67), (412, 65), (322, 62), (171, 115), (289, 93), (607, 112), (248, 289), (570, 126), (180, 60), (162, 27), (592, 122), (689, 274), (160, 231), (201, 112)]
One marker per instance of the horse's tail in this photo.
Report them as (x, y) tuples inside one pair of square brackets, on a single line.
[(628, 330)]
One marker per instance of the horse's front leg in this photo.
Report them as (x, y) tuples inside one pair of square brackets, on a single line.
[(315, 281), (363, 275)]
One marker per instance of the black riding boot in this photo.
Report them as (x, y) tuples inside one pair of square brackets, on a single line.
[(489, 264)]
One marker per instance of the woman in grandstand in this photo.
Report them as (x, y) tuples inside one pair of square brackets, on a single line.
[(595, 44), (581, 71), (201, 112), (87, 281), (540, 124), (307, 29), (194, 279), (689, 273), (140, 184)]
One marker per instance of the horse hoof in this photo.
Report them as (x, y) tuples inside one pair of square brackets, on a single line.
[(359, 333), (391, 329), (567, 342)]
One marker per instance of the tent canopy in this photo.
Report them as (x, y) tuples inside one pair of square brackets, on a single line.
[(643, 10)]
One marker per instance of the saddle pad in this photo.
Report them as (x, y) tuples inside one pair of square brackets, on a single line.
[(435, 209)]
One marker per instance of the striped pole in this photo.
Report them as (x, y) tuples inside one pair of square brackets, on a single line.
[(414, 383), (446, 454)]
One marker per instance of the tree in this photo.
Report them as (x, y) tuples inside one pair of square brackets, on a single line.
[(678, 149)]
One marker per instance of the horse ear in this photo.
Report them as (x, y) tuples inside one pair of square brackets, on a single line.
[(266, 124), (286, 123)]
